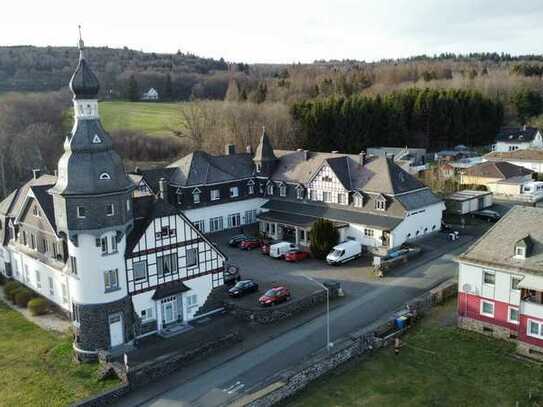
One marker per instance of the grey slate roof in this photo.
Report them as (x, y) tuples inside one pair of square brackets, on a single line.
[(496, 247), (45, 200), (84, 84), (516, 134), (388, 178), (200, 168), (264, 150), (418, 199), (517, 155), (315, 210)]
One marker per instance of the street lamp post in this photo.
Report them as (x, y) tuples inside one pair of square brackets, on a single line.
[(329, 344)]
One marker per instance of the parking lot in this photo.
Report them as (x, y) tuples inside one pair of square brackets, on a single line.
[(356, 277)]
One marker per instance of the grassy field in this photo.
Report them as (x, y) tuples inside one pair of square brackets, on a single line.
[(438, 366), (151, 118), (37, 368)]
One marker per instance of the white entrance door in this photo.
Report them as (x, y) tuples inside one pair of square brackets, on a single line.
[(234, 220), (116, 330), (169, 310)]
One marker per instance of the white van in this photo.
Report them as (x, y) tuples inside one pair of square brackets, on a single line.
[(344, 252), (278, 250)]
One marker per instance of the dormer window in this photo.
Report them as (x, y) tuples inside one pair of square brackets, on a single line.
[(283, 190), (380, 203), (105, 176), (36, 211), (270, 189), (96, 139), (258, 168), (215, 194), (358, 201), (520, 252), (522, 248), (300, 193), (196, 196), (110, 210)]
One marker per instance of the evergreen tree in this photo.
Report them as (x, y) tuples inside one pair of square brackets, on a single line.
[(133, 91), (324, 236), (168, 88), (528, 103)]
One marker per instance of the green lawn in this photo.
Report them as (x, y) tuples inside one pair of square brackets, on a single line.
[(151, 118), (438, 366), (36, 367)]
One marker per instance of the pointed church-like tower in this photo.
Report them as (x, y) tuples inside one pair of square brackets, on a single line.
[(93, 209), (264, 159)]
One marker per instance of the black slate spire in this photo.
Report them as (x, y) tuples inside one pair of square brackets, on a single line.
[(84, 83)]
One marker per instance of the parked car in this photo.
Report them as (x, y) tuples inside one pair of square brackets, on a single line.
[(488, 215), (278, 250), (266, 244), (275, 296), (296, 255), (249, 244), (231, 274), (237, 239), (344, 252), (243, 287)]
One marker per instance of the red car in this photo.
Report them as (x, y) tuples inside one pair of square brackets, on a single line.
[(249, 244), (296, 255), (274, 296)]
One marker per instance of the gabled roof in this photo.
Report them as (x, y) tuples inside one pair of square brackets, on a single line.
[(497, 246), (200, 168), (152, 176), (516, 134), (517, 155), (497, 169), (340, 166), (388, 178), (45, 200)]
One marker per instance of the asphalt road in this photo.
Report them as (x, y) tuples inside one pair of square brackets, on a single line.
[(232, 378)]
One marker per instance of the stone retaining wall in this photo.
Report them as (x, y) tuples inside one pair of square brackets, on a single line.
[(269, 315), (358, 343), (167, 364), (105, 398)]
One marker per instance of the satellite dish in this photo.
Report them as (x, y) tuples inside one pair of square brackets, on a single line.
[(466, 288)]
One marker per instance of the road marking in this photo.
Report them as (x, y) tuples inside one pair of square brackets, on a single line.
[(237, 386)]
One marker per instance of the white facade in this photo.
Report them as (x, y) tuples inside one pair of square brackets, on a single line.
[(151, 94), (215, 218), (417, 223), (506, 146)]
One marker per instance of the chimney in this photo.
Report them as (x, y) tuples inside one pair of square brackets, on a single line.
[(230, 149), (249, 150), (162, 188), (362, 158), (36, 172), (306, 155)]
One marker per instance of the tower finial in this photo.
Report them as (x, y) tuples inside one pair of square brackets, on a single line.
[(81, 43)]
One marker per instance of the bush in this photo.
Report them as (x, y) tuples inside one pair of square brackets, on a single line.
[(38, 306), (23, 296), (10, 288), (324, 236), (2, 279)]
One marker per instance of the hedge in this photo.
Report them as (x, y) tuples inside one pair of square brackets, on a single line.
[(38, 306), (10, 289), (22, 296)]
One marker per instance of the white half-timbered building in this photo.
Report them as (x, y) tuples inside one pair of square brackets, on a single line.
[(121, 263)]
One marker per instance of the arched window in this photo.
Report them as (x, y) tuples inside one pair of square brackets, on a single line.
[(105, 176)]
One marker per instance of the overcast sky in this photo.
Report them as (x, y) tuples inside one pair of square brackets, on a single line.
[(281, 30)]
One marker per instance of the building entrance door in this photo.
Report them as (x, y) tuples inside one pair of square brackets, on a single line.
[(116, 330), (169, 313)]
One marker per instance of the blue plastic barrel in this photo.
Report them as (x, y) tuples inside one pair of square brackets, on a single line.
[(400, 322)]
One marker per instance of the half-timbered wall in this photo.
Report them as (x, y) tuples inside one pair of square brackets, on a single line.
[(325, 186), (171, 235)]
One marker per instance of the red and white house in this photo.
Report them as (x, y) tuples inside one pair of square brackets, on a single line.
[(501, 281)]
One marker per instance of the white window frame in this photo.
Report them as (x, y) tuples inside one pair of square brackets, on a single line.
[(282, 190), (114, 244), (196, 197), (490, 273), (108, 207), (369, 232), (539, 335), (342, 198), (193, 252), (234, 192), (200, 225), (358, 201), (520, 252), (111, 280), (215, 194), (269, 189), (509, 319), (105, 176), (51, 287), (104, 245), (512, 285), (220, 221), (251, 189), (149, 314), (326, 196), (64, 291), (144, 264), (490, 315), (380, 204), (192, 301), (300, 193), (38, 278), (167, 259)]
